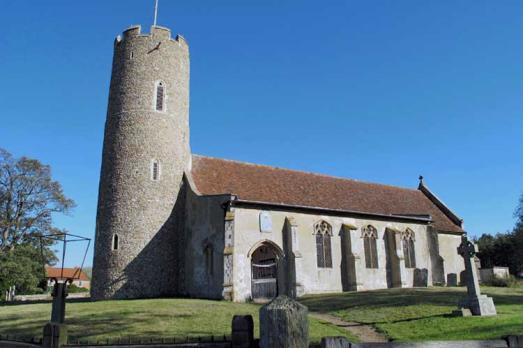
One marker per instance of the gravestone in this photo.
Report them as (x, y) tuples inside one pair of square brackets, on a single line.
[(421, 277), (478, 304), (335, 342), (10, 294), (242, 331), (284, 324), (452, 279)]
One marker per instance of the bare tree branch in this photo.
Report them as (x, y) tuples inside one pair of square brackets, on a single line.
[(28, 198)]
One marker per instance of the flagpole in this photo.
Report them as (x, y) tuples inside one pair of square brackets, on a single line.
[(155, 12)]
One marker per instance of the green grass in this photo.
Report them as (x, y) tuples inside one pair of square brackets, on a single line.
[(402, 314), (424, 314), (154, 318)]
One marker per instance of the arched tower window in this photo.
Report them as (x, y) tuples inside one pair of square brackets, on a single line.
[(115, 242), (408, 248), (323, 232), (370, 236), (155, 170), (160, 96)]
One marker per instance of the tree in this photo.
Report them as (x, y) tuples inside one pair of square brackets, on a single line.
[(496, 250), (23, 268), (518, 214), (28, 199), (518, 236), (504, 249)]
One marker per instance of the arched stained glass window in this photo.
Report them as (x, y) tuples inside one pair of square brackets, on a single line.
[(323, 232), (370, 235)]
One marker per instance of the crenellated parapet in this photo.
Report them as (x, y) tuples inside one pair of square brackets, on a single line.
[(157, 33)]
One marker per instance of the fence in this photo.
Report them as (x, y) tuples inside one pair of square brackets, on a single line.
[(21, 339), (132, 340)]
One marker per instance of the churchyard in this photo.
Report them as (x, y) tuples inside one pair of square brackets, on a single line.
[(423, 314), (400, 314), (141, 320)]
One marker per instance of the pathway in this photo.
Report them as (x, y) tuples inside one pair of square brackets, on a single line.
[(365, 332)]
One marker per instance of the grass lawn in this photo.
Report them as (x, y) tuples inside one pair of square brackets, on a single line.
[(154, 318), (423, 314)]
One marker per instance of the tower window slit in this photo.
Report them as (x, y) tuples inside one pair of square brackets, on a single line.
[(115, 242), (155, 170), (160, 96)]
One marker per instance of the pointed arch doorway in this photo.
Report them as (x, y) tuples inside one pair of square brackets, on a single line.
[(266, 266)]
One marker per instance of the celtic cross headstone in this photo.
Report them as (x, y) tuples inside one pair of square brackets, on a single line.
[(477, 303)]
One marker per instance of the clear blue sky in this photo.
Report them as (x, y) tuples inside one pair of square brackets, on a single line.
[(378, 91)]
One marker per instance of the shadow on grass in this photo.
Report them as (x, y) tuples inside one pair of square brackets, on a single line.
[(478, 329), (380, 298), (91, 325), (400, 298)]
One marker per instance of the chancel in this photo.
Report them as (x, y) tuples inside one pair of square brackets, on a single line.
[(174, 223)]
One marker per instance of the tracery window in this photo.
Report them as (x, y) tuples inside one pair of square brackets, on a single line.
[(408, 248), (370, 236), (323, 232), (160, 96)]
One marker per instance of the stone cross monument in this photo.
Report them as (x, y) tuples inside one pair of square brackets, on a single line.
[(478, 304)]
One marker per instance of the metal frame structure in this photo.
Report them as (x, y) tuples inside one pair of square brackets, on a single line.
[(63, 237)]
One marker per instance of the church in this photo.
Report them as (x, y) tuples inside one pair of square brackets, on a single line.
[(173, 223)]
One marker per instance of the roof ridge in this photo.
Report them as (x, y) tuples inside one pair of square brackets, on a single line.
[(307, 172)]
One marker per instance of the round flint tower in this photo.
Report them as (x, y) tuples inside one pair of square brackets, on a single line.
[(145, 153)]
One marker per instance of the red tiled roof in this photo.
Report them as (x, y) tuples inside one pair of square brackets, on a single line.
[(74, 273), (251, 182)]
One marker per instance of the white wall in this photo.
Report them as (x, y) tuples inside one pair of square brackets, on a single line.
[(309, 277), (452, 262)]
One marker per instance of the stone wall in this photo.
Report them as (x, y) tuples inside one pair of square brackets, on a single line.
[(488, 274), (204, 245)]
